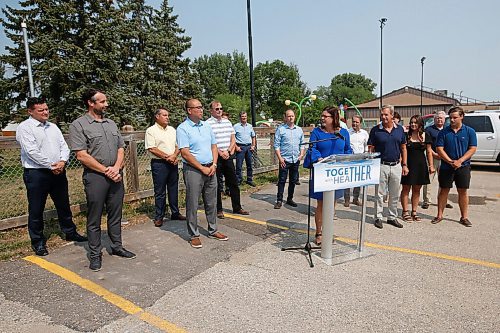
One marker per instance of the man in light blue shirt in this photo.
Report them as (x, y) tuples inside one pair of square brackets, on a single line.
[(44, 154), (198, 147), (245, 146), (288, 149)]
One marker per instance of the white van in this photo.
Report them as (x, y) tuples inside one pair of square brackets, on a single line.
[(486, 123)]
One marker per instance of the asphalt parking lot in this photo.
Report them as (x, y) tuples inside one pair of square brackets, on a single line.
[(424, 277)]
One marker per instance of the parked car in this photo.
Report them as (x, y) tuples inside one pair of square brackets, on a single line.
[(486, 123)]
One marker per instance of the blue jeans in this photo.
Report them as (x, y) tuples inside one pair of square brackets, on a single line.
[(244, 154), (165, 178), (292, 170)]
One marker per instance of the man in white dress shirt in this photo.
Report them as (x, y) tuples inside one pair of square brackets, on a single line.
[(44, 154), (359, 141)]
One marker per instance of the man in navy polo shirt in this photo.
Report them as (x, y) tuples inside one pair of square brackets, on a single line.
[(388, 139), (455, 145)]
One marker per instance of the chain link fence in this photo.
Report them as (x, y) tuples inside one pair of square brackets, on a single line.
[(137, 176)]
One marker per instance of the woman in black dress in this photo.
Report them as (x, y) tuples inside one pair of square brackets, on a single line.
[(420, 165)]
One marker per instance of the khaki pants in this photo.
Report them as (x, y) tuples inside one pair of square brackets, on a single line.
[(390, 183), (434, 183)]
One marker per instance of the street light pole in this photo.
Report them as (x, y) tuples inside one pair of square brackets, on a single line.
[(28, 59), (422, 86), (250, 56), (382, 23)]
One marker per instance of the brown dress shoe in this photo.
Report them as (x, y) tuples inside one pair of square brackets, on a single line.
[(219, 236), (357, 202), (241, 212), (196, 242), (158, 223), (178, 217), (220, 215)]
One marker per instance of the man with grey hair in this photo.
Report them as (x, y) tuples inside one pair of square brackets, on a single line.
[(388, 139), (160, 141), (433, 131)]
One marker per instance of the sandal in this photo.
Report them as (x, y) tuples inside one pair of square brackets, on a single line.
[(406, 216), (436, 220), (415, 217), (318, 239)]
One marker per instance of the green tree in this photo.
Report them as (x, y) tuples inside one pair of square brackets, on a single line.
[(220, 74), (5, 99), (276, 82), (124, 47), (154, 70), (233, 105), (355, 87)]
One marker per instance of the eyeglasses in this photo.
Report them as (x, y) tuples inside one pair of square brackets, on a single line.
[(323, 116), (199, 107), (218, 109)]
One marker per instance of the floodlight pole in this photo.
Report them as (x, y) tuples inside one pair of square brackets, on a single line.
[(28, 59), (422, 86), (382, 23)]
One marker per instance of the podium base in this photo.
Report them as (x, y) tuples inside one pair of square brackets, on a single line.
[(340, 258)]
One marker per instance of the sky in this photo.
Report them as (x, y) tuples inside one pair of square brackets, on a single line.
[(324, 38)]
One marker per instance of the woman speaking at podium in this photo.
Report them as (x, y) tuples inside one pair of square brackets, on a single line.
[(336, 141)]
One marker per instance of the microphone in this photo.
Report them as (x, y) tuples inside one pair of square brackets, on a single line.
[(338, 135)]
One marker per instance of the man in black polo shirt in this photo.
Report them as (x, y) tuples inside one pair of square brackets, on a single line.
[(389, 140)]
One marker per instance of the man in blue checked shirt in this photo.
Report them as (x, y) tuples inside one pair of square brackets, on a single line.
[(287, 141), (245, 146)]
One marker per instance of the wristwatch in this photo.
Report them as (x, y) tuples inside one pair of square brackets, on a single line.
[(403, 164)]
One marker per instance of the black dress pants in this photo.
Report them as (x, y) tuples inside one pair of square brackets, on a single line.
[(226, 168), (39, 184)]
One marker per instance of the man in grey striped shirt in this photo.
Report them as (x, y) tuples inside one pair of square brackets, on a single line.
[(226, 144)]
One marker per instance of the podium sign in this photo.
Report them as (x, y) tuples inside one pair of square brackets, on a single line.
[(331, 176)]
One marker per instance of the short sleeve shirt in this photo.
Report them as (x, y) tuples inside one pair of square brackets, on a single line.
[(101, 139), (198, 137), (223, 129), (387, 144), (244, 133), (162, 138), (433, 132), (456, 144)]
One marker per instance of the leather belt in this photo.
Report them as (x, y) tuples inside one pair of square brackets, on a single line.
[(389, 163), (208, 165)]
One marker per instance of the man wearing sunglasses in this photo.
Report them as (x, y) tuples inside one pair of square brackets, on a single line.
[(226, 145)]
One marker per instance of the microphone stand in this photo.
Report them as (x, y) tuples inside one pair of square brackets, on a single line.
[(308, 247)]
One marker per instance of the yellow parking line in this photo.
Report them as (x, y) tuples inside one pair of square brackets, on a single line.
[(378, 246), (120, 302)]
